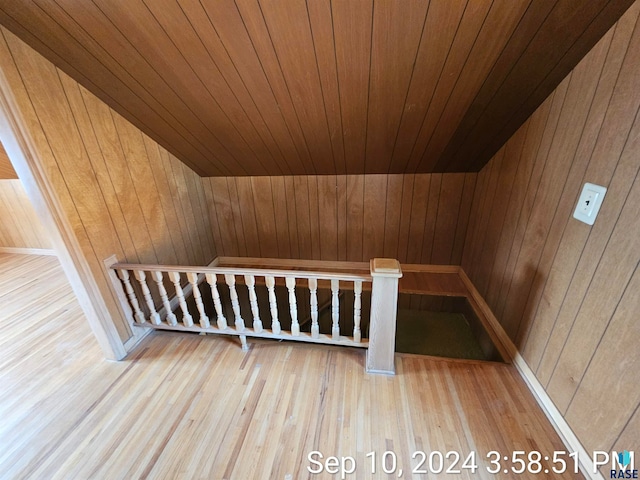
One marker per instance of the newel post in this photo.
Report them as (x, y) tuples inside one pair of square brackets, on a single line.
[(382, 325)]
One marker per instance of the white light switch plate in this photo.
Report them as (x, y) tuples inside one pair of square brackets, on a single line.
[(589, 203)]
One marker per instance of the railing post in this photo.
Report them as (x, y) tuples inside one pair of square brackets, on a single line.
[(382, 325)]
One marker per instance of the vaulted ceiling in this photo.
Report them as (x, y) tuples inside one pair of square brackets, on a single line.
[(272, 87)]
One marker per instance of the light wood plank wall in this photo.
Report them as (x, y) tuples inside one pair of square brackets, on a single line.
[(6, 169), (418, 218), (20, 227), (122, 193), (568, 294)]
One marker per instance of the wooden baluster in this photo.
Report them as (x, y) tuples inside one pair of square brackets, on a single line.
[(357, 307), (273, 305), (313, 289), (146, 293), (171, 318), (250, 280), (243, 341), (293, 306), (212, 280), (193, 280), (235, 304), (131, 294), (335, 309), (187, 320)]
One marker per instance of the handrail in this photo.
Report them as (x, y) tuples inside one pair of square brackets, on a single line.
[(349, 277)]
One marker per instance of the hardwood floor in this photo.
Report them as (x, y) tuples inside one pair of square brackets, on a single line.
[(188, 406)]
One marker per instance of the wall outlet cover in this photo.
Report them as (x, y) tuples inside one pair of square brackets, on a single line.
[(589, 203)]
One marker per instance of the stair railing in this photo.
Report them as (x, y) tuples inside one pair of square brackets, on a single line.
[(149, 303)]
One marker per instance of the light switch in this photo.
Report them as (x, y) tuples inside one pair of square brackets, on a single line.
[(589, 203)]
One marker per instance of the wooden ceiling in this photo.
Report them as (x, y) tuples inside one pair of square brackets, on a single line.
[(273, 87)]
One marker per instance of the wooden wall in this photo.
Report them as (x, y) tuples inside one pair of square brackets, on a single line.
[(122, 193), (6, 169), (415, 218), (567, 293), (20, 227)]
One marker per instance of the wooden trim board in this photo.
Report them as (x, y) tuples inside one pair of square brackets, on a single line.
[(20, 147), (28, 251)]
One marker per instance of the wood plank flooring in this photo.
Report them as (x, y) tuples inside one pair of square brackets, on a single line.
[(188, 406)]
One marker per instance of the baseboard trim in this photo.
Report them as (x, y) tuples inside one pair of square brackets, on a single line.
[(28, 251), (558, 422), (139, 334), (552, 413)]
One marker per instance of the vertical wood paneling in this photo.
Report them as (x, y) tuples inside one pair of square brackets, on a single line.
[(101, 169), (302, 215), (428, 233), (6, 169), (327, 215), (542, 157), (517, 194), (373, 222), (566, 292), (419, 207), (405, 214), (248, 216), (351, 218), (224, 219), (280, 204), (289, 193), (449, 199), (19, 224), (393, 214), (503, 189), (265, 214), (315, 204), (464, 212), (212, 213), (355, 216)]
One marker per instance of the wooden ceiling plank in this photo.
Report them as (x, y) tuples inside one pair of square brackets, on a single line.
[(472, 21), (226, 21), (212, 42), (107, 46), (62, 48), (588, 26), (290, 32), (148, 50), (323, 40), (397, 31), (530, 23), (352, 24), (173, 20), (442, 23), (254, 24), (501, 22)]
